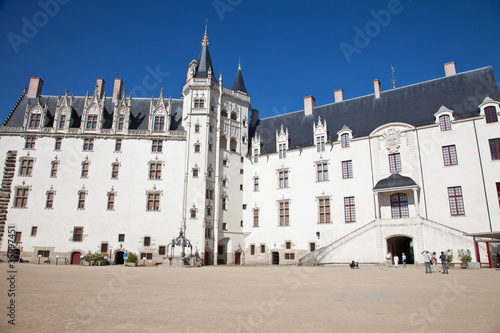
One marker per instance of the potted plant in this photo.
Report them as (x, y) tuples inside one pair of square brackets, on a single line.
[(449, 258), (465, 257)]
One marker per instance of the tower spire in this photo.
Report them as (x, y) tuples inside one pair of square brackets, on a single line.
[(205, 36)]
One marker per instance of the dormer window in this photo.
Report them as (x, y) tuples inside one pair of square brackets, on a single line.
[(345, 140), (282, 150), (62, 121), (282, 141), (121, 123), (159, 124), (35, 120), (445, 122), (320, 133), (490, 114), (92, 122)]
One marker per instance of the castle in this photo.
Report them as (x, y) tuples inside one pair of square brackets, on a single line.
[(402, 170)]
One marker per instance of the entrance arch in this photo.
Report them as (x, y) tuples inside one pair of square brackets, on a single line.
[(398, 245), (75, 258), (119, 258), (275, 258)]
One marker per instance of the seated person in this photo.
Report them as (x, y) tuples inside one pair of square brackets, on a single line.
[(353, 264)]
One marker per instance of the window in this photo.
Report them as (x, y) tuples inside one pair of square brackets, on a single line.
[(252, 249), (111, 201), (347, 169), (209, 147), (30, 143), (147, 241), (241, 171), (115, 167), (444, 123), (224, 162), (43, 253), (256, 156), (495, 149), (255, 217), (104, 247), (81, 199), (224, 183), (53, 169), (241, 187), (146, 256), (34, 230), (58, 144), (224, 226), (197, 128), (244, 206), (118, 145), (345, 140), (456, 201), (282, 150), (121, 237), (224, 202), (320, 143), (262, 248), (35, 120), (88, 144), (256, 184), (92, 122), (395, 163), (450, 155), (399, 206), (288, 245), (324, 210), (312, 247), (159, 124), (208, 233), (209, 193), (199, 103), (289, 256), (121, 123), (62, 121), (155, 170), (211, 128), (193, 213), (349, 209), (21, 198), (162, 250), (153, 202), (322, 171), (490, 113), (209, 211), (49, 202), (85, 169), (498, 193), (18, 237), (77, 234), (26, 168), (284, 213), (283, 178), (197, 148), (157, 146)]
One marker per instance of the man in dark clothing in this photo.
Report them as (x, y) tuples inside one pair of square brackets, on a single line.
[(443, 262)]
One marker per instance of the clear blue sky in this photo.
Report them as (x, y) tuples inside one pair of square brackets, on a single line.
[(288, 49)]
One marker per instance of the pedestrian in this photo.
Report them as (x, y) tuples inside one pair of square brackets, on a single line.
[(396, 261), (434, 262), (443, 262), (404, 259), (427, 261), (388, 258)]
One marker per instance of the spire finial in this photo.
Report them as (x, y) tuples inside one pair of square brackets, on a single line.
[(205, 37), (239, 63), (393, 80)]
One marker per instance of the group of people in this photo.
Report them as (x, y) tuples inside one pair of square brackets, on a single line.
[(389, 259), (431, 260)]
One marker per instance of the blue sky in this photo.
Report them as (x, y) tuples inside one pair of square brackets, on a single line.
[(288, 49)]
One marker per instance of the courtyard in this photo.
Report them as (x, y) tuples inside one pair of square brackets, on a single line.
[(69, 298)]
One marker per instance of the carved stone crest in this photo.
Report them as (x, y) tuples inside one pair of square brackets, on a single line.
[(392, 139)]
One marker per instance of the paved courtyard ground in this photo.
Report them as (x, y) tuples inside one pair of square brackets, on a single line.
[(50, 298)]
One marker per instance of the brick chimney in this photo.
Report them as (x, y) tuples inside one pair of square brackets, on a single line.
[(35, 87), (117, 90), (309, 104), (339, 95), (449, 68), (100, 87), (376, 86), (254, 117)]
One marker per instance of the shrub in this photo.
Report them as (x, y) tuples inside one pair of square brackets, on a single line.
[(131, 257), (464, 255), (449, 256)]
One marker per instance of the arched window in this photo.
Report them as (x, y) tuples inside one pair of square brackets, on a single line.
[(223, 113), (234, 116), (399, 205)]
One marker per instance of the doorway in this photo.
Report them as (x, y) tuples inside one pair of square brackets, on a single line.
[(237, 258), (119, 258), (399, 245), (275, 258), (75, 258)]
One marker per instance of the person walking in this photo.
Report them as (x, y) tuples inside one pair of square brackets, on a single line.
[(427, 261), (396, 261), (443, 262), (388, 258), (403, 257)]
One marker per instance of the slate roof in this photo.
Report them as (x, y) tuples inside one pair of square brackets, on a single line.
[(393, 181), (238, 84), (415, 105), (139, 113)]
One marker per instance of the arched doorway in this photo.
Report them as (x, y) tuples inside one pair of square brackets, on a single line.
[(398, 245), (237, 258), (119, 258), (75, 258), (276, 258)]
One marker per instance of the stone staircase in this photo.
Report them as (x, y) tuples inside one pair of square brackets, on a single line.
[(6, 188)]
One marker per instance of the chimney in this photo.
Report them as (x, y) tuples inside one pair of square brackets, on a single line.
[(35, 87), (254, 117), (117, 90), (449, 68), (309, 104), (100, 87), (339, 95), (376, 86)]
